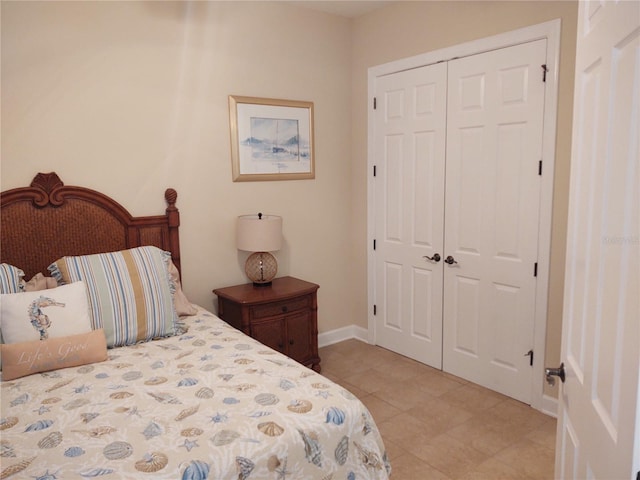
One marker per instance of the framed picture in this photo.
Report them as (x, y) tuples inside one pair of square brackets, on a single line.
[(271, 139)]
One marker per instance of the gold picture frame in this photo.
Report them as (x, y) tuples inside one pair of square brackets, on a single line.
[(271, 139)]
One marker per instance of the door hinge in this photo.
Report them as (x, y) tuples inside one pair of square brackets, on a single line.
[(530, 355), (375, 309), (540, 167), (544, 72), (375, 103), (535, 269), (374, 171)]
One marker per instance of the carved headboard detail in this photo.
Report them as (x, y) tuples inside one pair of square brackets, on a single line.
[(49, 219)]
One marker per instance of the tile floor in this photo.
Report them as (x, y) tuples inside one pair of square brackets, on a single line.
[(437, 426)]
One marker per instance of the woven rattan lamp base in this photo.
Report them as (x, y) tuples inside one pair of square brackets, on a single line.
[(261, 268)]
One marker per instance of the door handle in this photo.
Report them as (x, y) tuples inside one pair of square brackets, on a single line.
[(450, 260), (555, 372), (435, 258)]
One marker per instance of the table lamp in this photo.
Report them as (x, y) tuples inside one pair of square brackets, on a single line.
[(260, 234)]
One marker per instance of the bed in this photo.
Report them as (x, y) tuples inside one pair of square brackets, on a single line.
[(186, 396)]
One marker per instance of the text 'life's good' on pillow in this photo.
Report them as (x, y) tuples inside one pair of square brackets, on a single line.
[(26, 358)]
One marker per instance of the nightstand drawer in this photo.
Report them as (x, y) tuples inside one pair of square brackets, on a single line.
[(279, 308)]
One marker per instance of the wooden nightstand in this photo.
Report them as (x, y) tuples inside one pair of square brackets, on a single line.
[(283, 316)]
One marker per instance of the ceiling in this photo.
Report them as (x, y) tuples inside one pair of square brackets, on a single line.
[(344, 8)]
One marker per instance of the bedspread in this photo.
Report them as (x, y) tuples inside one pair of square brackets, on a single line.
[(210, 403)]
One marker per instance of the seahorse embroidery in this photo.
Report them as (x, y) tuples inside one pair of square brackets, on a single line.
[(39, 319)]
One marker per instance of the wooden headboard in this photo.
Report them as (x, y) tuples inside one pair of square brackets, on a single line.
[(49, 219)]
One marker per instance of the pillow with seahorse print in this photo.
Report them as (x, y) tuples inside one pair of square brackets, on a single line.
[(57, 312)]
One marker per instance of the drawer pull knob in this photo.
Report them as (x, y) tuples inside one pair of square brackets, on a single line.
[(284, 309), (290, 342)]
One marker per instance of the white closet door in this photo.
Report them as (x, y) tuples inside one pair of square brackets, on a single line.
[(494, 145), (410, 121)]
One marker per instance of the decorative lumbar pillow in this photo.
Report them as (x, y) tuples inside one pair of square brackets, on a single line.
[(130, 292), (11, 279), (26, 358), (40, 315)]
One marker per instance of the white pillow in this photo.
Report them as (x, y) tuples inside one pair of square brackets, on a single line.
[(53, 313)]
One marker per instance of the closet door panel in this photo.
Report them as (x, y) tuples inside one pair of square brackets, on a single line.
[(464, 174), (410, 122), (494, 132)]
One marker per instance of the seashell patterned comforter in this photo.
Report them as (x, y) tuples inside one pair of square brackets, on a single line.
[(211, 403)]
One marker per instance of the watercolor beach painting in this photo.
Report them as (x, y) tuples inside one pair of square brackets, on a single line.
[(271, 139)]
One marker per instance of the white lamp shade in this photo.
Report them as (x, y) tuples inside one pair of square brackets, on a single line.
[(259, 233)]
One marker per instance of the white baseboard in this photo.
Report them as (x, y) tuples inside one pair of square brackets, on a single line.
[(549, 406), (341, 334)]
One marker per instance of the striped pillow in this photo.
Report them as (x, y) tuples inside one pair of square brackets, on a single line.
[(130, 292), (11, 280)]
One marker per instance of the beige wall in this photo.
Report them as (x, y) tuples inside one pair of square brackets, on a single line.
[(131, 97), (406, 29)]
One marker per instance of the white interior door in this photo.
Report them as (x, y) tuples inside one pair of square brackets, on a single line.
[(410, 122), (598, 424), (494, 146)]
